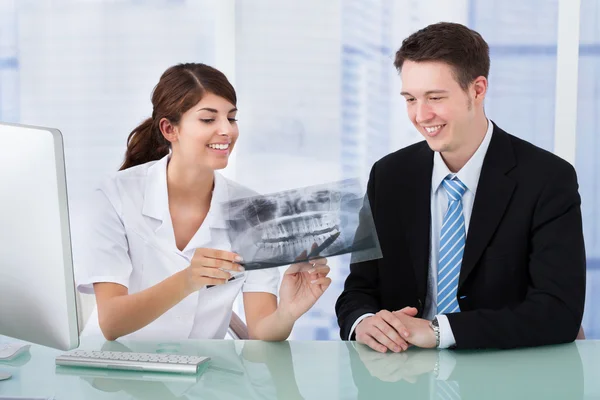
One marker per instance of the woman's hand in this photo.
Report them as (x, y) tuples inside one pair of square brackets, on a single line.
[(302, 285), (209, 267)]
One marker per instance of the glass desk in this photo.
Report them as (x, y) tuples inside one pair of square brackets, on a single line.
[(317, 370)]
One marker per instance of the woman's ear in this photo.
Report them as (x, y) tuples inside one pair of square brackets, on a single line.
[(168, 130)]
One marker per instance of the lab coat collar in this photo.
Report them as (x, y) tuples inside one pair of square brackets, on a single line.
[(156, 206), (156, 201), (215, 217), (213, 220)]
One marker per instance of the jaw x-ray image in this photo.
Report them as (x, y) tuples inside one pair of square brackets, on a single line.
[(275, 229)]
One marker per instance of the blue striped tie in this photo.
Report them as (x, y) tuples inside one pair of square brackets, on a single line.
[(452, 246)]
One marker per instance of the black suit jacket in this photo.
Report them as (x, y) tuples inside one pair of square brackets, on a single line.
[(522, 279)]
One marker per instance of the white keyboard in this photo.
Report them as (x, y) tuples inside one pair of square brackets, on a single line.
[(132, 361)]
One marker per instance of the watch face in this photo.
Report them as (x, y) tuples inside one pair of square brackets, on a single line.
[(434, 322)]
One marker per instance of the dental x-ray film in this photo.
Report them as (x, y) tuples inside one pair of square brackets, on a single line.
[(297, 225)]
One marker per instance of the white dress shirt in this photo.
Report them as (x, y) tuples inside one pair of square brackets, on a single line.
[(128, 239), (469, 175)]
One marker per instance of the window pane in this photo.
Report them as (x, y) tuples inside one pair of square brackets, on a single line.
[(88, 68), (588, 154), (522, 38)]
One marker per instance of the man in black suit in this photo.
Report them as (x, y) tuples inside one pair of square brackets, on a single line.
[(480, 231)]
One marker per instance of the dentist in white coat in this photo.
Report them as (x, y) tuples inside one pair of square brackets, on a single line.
[(154, 250)]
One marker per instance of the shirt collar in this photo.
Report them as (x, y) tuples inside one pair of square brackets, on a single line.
[(469, 174)]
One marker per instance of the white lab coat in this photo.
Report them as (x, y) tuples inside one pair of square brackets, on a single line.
[(128, 239)]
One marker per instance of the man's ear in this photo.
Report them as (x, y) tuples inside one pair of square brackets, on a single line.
[(480, 85), (168, 130)]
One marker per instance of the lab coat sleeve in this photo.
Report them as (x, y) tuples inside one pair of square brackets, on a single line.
[(262, 280), (100, 251)]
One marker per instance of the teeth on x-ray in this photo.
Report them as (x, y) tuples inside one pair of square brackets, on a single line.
[(295, 235), (297, 227), (293, 244), (277, 228)]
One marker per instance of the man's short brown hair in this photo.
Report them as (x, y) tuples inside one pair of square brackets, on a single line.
[(455, 44)]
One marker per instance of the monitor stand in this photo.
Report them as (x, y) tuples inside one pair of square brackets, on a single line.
[(4, 376)]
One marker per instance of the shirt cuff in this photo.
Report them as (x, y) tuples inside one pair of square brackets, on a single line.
[(446, 335), (356, 323)]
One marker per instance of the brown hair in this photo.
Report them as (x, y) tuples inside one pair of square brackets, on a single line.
[(179, 89), (455, 44)]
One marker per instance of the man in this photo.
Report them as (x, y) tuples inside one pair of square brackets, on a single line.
[(480, 231)]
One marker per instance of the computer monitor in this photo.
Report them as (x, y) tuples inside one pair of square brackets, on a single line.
[(37, 288)]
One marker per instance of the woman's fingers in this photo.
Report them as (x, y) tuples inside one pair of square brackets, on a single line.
[(214, 258), (200, 271), (318, 261), (219, 263), (219, 254), (321, 281), (323, 270)]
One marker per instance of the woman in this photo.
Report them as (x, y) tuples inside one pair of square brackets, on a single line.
[(156, 254)]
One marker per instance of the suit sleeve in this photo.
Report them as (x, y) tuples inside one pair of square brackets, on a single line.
[(361, 289), (553, 307)]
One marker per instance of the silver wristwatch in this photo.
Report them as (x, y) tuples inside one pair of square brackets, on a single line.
[(436, 329)]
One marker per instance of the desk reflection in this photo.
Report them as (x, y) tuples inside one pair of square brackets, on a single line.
[(552, 372), (256, 371)]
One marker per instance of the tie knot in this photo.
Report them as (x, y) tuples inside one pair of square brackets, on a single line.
[(454, 187)]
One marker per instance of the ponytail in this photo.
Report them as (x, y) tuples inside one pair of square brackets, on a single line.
[(145, 143)]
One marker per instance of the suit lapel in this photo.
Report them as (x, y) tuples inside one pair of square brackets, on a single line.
[(494, 192), (419, 216)]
